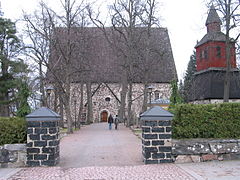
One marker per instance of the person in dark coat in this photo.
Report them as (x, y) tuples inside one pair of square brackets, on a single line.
[(110, 121), (116, 121)]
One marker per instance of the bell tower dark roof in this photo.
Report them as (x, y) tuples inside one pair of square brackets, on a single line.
[(213, 24), (213, 17), (213, 21)]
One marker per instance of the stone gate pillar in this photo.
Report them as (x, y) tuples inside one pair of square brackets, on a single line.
[(156, 135), (42, 137)]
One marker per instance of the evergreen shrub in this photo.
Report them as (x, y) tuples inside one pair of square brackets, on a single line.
[(13, 130), (206, 121)]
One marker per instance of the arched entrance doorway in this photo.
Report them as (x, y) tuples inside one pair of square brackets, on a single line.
[(104, 116)]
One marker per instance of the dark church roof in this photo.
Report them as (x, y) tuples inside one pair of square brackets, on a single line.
[(213, 16), (95, 59)]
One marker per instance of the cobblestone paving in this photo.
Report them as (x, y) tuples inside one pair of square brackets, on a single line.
[(142, 172)]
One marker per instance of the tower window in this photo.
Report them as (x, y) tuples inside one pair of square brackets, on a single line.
[(218, 51), (202, 55), (205, 54)]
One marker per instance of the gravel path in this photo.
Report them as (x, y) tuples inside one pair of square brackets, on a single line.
[(95, 145)]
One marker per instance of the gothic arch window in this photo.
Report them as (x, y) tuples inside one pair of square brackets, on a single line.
[(157, 94)]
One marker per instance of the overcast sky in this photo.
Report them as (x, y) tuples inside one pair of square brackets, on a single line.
[(185, 20)]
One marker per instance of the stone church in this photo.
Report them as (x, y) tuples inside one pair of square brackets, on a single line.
[(208, 82), (98, 57)]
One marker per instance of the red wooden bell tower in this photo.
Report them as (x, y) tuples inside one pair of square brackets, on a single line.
[(208, 82), (211, 50)]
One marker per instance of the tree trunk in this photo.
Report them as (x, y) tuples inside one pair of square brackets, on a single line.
[(61, 112), (89, 104), (69, 117), (146, 75), (4, 107), (227, 78), (129, 118), (56, 97), (228, 57), (67, 104), (80, 106), (42, 91), (4, 96), (59, 94), (123, 100), (144, 106)]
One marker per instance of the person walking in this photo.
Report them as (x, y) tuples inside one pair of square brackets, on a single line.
[(116, 121), (110, 121)]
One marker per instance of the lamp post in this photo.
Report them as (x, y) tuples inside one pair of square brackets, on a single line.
[(49, 91), (150, 90)]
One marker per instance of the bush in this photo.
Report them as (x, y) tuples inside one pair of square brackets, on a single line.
[(206, 121), (12, 130)]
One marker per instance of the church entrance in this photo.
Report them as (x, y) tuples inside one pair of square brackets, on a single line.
[(104, 116)]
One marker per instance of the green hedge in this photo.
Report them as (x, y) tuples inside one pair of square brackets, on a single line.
[(206, 121), (12, 130)]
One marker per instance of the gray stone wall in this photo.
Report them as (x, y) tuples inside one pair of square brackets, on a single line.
[(157, 141), (100, 104), (13, 155), (42, 143), (199, 150)]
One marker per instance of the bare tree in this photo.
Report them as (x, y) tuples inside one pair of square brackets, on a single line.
[(68, 47), (63, 46), (131, 25), (231, 18), (39, 28), (38, 31), (149, 19), (125, 18)]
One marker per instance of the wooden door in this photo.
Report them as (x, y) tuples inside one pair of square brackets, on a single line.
[(104, 116)]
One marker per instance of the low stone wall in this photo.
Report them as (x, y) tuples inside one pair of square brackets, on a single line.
[(13, 155), (183, 151), (199, 150)]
